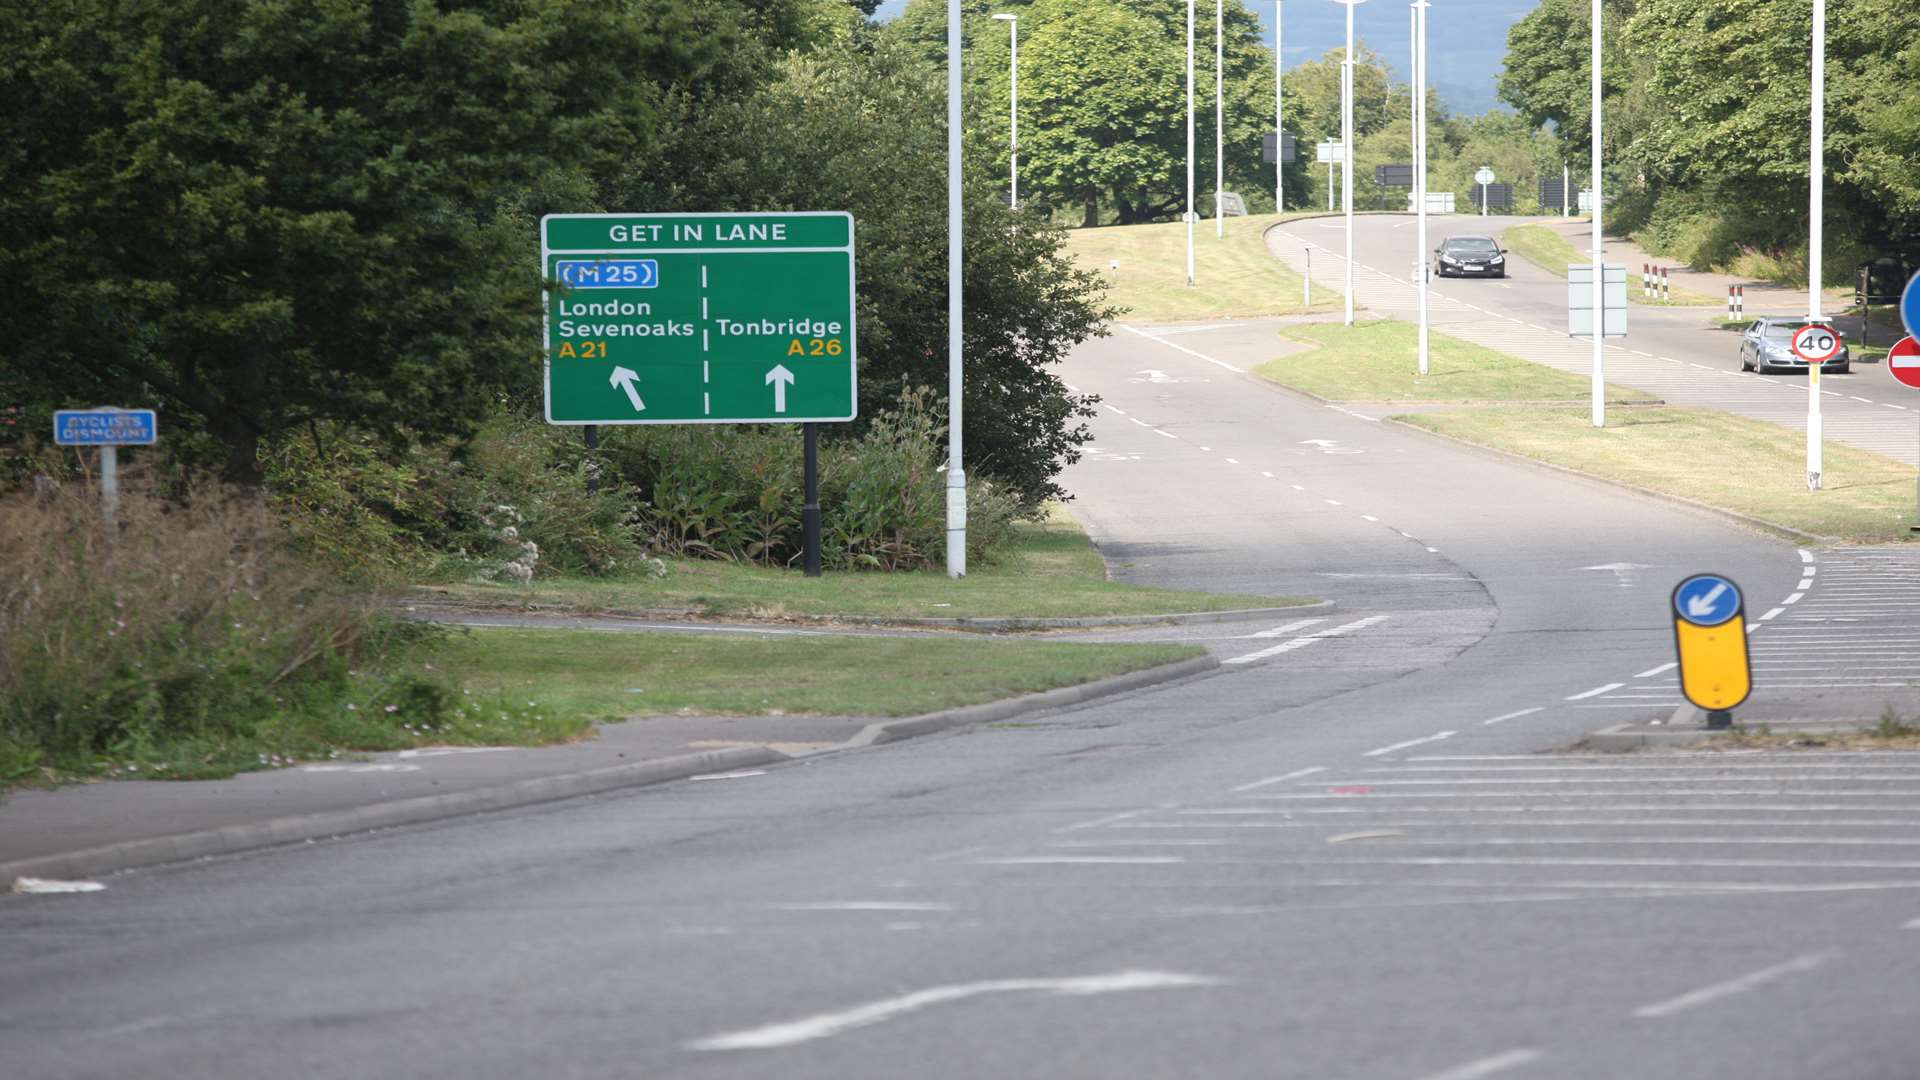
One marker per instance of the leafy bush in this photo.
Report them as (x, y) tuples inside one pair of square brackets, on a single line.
[(185, 623), (737, 493)]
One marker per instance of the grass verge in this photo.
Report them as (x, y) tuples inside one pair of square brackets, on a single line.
[(1046, 570), (617, 675), (1377, 361), (1145, 268), (1551, 252), (1725, 461)]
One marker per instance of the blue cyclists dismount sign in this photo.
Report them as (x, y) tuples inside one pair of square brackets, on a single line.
[(1706, 600), (104, 427), (1910, 307)]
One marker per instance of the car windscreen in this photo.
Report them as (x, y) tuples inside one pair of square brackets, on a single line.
[(1779, 332), (1471, 245)]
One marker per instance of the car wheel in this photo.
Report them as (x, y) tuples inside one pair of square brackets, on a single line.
[(1745, 364), (1846, 369)]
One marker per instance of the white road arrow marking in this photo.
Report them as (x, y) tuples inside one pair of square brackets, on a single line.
[(1153, 373), (624, 378), (1701, 607), (826, 1025), (1622, 571), (780, 378)]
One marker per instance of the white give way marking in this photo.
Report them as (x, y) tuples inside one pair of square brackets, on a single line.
[(1330, 446), (827, 1025)]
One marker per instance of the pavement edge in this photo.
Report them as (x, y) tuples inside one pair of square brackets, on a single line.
[(275, 832)]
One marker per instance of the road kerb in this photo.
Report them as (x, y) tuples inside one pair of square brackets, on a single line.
[(888, 731), (279, 832)]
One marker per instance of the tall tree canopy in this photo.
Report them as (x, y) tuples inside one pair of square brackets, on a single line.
[(257, 215)]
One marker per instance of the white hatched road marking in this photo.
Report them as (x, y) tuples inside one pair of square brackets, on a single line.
[(1750, 981)]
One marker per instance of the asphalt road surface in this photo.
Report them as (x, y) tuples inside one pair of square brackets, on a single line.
[(1345, 854), (1675, 352)]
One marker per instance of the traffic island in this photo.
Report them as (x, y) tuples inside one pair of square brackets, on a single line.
[(1799, 729)]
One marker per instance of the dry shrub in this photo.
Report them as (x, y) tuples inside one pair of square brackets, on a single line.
[(185, 620)]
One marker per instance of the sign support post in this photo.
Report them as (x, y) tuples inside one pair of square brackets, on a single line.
[(1903, 363), (810, 511)]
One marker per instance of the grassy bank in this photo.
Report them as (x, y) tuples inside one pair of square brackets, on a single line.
[(1145, 268), (1551, 252), (1047, 570), (1722, 460), (615, 675), (1378, 361)]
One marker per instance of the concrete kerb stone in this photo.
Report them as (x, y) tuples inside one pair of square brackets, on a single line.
[(278, 832), (233, 839), (981, 624), (888, 731)]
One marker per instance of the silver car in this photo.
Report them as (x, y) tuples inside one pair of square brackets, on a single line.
[(1768, 345)]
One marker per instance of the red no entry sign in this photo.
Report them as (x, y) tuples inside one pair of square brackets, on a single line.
[(1903, 362)]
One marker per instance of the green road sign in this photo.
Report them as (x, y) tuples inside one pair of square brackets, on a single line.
[(699, 318)]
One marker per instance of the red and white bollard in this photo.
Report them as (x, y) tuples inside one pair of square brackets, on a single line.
[(1731, 308), (1666, 292), (1739, 301), (1646, 280)]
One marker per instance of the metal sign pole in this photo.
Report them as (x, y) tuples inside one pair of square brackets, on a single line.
[(1815, 177), (1279, 119), (810, 511), (1420, 167), (109, 482), (1598, 390), (956, 471)]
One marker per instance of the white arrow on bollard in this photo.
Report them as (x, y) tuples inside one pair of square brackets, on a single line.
[(780, 378), (624, 378)]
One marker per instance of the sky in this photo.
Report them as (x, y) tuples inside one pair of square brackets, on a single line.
[(1466, 39)]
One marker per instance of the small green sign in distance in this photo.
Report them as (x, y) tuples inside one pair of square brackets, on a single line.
[(699, 318)]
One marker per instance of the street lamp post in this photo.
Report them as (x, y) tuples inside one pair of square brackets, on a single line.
[(1189, 214), (1816, 177), (1599, 390), (1013, 108), (1279, 118), (956, 474), (1420, 267), (1219, 115), (1346, 146)]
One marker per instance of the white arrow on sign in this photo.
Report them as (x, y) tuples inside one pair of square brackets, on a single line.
[(1702, 607), (624, 378), (780, 378)]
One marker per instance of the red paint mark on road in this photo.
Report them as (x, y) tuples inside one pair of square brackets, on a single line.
[(1350, 791)]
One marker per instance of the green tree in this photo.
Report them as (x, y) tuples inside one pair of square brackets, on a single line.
[(261, 215), (865, 131)]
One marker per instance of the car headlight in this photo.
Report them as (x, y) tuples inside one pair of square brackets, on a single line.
[(1449, 260), (1498, 259)]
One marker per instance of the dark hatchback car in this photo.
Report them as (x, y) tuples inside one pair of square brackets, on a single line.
[(1471, 256), (1768, 345)]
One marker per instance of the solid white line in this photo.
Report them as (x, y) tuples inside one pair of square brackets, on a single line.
[(1182, 348), (1283, 778), (863, 905), (1511, 716), (1288, 628), (1595, 692), (827, 1025), (1651, 672), (1409, 742), (1751, 981), (1498, 1063), (1079, 860)]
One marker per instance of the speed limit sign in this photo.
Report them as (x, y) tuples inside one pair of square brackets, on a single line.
[(1816, 343)]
